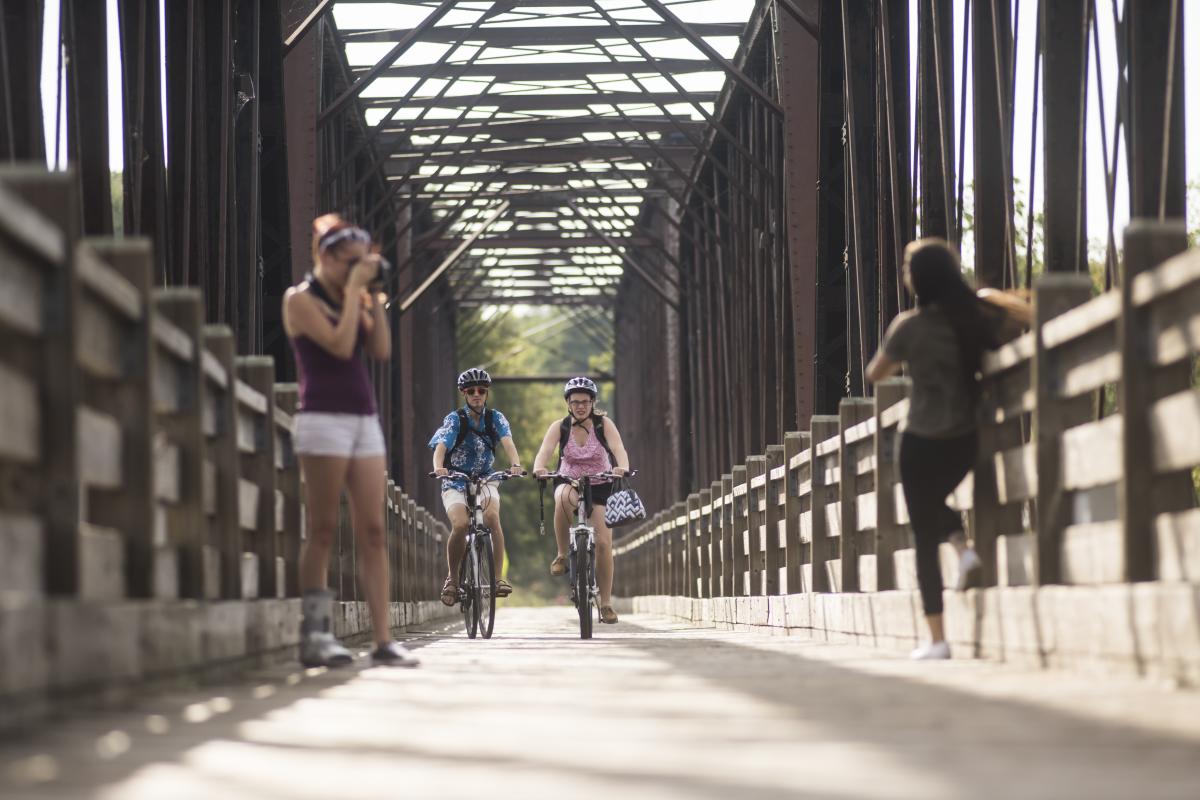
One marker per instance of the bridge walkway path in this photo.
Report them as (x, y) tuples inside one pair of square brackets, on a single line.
[(649, 709)]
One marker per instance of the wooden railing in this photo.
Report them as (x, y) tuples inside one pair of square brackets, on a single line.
[(140, 457), (1059, 494)]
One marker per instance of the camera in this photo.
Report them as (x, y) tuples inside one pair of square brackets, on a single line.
[(383, 277)]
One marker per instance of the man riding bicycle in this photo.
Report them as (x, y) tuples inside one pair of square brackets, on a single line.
[(589, 444), (470, 435)]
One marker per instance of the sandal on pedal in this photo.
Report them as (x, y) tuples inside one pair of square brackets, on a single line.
[(449, 592), (503, 588), (608, 615), (558, 566)]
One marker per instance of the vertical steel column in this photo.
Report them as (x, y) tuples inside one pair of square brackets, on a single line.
[(1064, 106), (21, 123), (935, 116), (246, 295), (991, 34), (798, 59), (1156, 185), (85, 27), (145, 174), (830, 350)]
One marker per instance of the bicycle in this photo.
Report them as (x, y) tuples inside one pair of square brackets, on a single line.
[(581, 555), (477, 570)]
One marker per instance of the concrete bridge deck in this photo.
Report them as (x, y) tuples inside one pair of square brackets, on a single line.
[(650, 709)]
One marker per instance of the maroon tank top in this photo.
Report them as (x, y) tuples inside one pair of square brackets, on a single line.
[(332, 385)]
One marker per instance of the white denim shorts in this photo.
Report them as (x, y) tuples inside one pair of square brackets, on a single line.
[(489, 498), (344, 435)]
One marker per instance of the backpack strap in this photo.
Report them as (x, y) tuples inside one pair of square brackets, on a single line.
[(597, 425), (490, 436)]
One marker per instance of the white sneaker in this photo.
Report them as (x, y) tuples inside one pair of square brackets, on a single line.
[(969, 564), (321, 649), (934, 651)]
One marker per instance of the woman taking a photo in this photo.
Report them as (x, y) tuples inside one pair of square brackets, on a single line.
[(332, 320), (941, 342)]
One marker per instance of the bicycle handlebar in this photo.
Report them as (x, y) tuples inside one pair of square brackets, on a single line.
[(606, 474), (495, 477)]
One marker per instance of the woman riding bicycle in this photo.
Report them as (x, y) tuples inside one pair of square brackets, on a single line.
[(589, 444)]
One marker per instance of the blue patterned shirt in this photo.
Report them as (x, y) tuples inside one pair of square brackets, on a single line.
[(474, 457)]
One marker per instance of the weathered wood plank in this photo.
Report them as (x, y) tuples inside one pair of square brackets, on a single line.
[(22, 223), (107, 284), (20, 417), (167, 471), (170, 338), (213, 370), (1014, 353), (1091, 454), (248, 500), (99, 340), (247, 432), (1081, 320), (1092, 553), (99, 449), (1178, 536), (23, 299), (1170, 276), (1175, 430), (209, 489), (1016, 474), (251, 398)]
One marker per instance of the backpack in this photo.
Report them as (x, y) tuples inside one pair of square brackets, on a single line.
[(490, 436), (564, 435)]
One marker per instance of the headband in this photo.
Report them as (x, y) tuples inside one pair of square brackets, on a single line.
[(342, 234)]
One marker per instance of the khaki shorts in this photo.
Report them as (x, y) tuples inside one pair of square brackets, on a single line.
[(489, 497)]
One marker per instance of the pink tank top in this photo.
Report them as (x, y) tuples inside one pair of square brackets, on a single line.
[(586, 459)]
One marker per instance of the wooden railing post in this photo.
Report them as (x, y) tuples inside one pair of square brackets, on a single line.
[(730, 582), (55, 198), (756, 544), (692, 532), (287, 398), (1053, 294), (714, 540), (773, 516), (679, 554), (131, 506), (258, 465), (1148, 243), (704, 559), (222, 467), (739, 531), (794, 443), (889, 535), (851, 411), (179, 419), (822, 427)]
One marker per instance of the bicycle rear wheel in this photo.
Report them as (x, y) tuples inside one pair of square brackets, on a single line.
[(486, 584), (466, 584), (583, 598)]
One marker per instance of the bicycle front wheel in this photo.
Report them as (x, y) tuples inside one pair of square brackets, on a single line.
[(466, 584), (583, 598), (486, 583)]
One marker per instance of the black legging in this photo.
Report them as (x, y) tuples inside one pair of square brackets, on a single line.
[(930, 469)]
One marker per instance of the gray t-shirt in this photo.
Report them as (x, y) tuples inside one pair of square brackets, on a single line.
[(941, 406)]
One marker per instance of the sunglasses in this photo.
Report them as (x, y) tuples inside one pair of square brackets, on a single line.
[(475, 391)]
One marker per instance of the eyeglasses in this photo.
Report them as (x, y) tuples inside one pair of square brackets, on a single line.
[(476, 391), (579, 403)]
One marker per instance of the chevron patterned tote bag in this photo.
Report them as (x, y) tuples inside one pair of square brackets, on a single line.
[(624, 505)]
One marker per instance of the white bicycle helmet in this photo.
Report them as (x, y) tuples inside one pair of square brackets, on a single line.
[(474, 377), (580, 384)]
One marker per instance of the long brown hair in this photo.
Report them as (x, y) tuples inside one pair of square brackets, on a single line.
[(937, 281)]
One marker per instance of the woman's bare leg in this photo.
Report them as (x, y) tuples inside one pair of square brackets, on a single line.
[(604, 555), (366, 487), (324, 477)]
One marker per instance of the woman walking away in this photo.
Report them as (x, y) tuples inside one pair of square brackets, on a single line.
[(332, 319), (942, 342)]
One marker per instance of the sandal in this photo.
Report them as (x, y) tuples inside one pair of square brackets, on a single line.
[(449, 592), (503, 588), (608, 615), (558, 566)]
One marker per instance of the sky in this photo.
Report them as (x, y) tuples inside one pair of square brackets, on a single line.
[(357, 15)]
